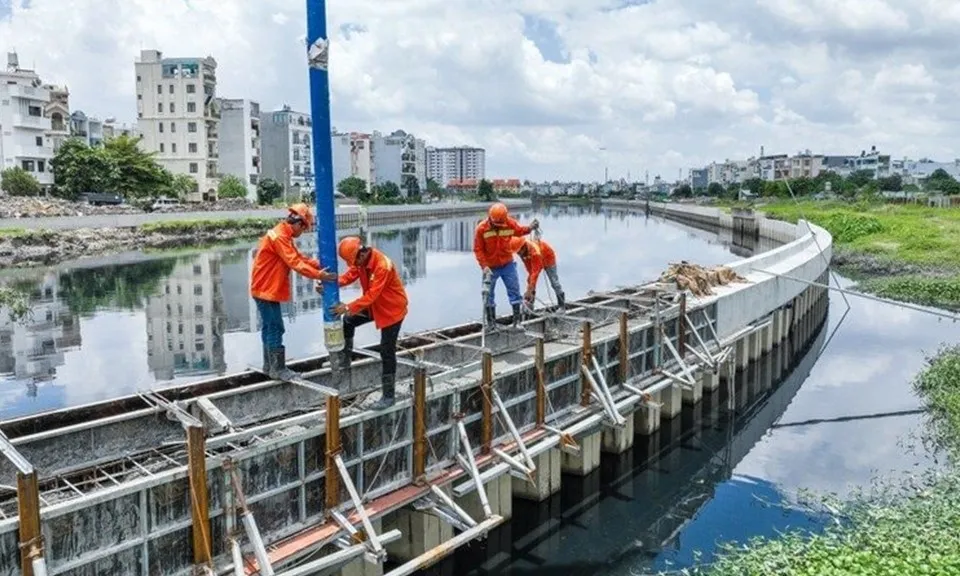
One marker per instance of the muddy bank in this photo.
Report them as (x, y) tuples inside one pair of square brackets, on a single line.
[(858, 264), (44, 207), (44, 247)]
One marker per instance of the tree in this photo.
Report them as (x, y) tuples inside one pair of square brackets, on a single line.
[(268, 190), (943, 182), (485, 191), (715, 189), (683, 191), (181, 185), (138, 174), (434, 190), (19, 182), (353, 187), (754, 185), (412, 185), (231, 187), (859, 178), (78, 169), (892, 183), (387, 193)]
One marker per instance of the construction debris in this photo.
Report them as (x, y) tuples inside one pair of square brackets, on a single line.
[(698, 279)]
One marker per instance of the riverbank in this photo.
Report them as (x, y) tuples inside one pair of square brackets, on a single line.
[(906, 529), (902, 252)]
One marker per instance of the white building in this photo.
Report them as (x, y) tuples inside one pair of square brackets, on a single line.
[(111, 129), (444, 165), (240, 142), (395, 160), (58, 111), (353, 155), (287, 150), (89, 129), (23, 126), (178, 116)]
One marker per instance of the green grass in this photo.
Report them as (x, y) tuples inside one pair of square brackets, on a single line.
[(917, 532), (923, 290)]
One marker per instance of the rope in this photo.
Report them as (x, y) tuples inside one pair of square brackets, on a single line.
[(383, 461)]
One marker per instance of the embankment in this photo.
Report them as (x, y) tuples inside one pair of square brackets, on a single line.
[(52, 240)]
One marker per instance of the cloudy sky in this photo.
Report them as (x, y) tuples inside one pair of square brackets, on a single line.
[(551, 88)]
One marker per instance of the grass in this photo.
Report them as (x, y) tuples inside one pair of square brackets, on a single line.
[(907, 236), (915, 533)]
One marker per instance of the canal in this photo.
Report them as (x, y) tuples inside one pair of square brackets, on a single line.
[(841, 416)]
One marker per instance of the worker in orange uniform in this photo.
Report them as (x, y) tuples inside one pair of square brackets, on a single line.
[(270, 283), (384, 301), (491, 246), (538, 256)]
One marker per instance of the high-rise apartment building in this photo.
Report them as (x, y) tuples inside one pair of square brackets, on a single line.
[(353, 156), (287, 150), (240, 142), (178, 117), (459, 163), (23, 124), (395, 160)]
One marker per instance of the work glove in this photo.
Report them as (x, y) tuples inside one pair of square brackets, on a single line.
[(530, 296), (535, 225), (318, 286), (487, 271)]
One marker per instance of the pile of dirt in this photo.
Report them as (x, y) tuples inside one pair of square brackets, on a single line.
[(28, 207), (699, 280)]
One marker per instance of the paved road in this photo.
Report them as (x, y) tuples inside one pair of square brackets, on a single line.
[(130, 220)]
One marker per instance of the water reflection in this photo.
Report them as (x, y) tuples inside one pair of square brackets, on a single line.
[(159, 319)]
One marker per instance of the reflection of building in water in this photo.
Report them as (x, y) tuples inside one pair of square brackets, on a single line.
[(32, 349), (407, 248), (186, 321), (454, 236), (241, 312)]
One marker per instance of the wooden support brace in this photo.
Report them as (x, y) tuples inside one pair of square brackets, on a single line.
[(624, 348), (332, 479), (540, 363), (682, 327), (28, 508), (586, 354), (419, 424), (199, 500), (486, 387)]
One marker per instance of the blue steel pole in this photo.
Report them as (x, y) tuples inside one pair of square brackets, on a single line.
[(318, 50)]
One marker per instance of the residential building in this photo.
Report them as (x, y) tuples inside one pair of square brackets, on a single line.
[(186, 321), (58, 111), (774, 167), (924, 168), (179, 118), (353, 155), (89, 129), (444, 165), (806, 165), (873, 161), (699, 178), (420, 159), (507, 185), (111, 129), (287, 151), (395, 160), (341, 153), (240, 142), (23, 126)]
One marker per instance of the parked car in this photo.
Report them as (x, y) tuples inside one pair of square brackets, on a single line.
[(163, 202), (101, 199)]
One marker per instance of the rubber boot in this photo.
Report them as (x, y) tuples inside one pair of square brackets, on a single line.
[(266, 361), (561, 300), (347, 354), (491, 314), (278, 366), (389, 389), (517, 318)]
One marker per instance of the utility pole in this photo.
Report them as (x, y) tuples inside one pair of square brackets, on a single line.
[(318, 52)]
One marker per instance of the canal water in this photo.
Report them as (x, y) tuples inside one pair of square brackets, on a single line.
[(110, 327)]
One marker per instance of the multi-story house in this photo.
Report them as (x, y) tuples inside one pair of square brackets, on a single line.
[(286, 143), (396, 161), (806, 165), (23, 125), (179, 118), (58, 111), (88, 129), (240, 142), (459, 163)]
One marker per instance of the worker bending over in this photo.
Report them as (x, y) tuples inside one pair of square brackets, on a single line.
[(491, 246), (270, 283), (538, 256), (384, 301)]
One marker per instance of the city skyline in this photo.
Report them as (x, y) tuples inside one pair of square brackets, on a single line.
[(563, 90)]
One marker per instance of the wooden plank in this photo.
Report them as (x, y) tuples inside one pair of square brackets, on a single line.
[(586, 354), (682, 327), (28, 511), (486, 389), (539, 363), (332, 479), (200, 502), (419, 424), (624, 347)]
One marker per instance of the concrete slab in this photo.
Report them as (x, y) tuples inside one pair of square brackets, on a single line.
[(546, 478)]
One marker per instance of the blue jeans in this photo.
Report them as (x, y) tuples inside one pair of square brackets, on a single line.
[(271, 324), (507, 273)]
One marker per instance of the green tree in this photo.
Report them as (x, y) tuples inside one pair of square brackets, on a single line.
[(78, 169), (181, 185), (859, 178), (138, 174), (683, 191), (353, 187), (434, 190), (754, 185), (387, 193), (268, 190), (828, 176), (412, 186), (892, 183), (231, 187), (18, 182), (715, 189), (485, 191), (943, 182)]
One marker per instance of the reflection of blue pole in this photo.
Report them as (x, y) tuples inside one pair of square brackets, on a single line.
[(318, 50)]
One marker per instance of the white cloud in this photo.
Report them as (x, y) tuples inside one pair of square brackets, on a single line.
[(661, 85)]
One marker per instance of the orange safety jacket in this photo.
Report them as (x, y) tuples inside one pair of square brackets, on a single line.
[(276, 256), (533, 262), (491, 244), (383, 291), (548, 255)]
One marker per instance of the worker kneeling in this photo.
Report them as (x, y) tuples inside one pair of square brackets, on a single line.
[(270, 283), (491, 246), (384, 301), (538, 256)]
